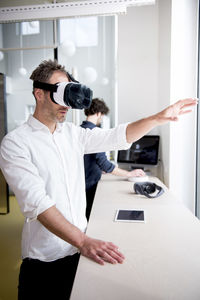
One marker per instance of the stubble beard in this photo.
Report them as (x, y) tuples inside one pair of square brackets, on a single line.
[(61, 119)]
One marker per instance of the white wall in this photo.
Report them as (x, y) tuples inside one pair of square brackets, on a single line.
[(157, 66), (183, 84), (164, 36), (138, 63)]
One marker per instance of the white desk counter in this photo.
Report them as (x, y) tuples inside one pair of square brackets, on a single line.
[(162, 256)]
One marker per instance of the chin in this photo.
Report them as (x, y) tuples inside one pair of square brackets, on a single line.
[(61, 120)]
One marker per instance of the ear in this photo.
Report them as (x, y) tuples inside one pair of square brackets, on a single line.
[(39, 94), (98, 114)]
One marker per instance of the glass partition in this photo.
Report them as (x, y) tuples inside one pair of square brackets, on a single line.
[(25, 45), (87, 47)]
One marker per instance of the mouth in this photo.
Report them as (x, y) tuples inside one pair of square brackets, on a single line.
[(63, 112)]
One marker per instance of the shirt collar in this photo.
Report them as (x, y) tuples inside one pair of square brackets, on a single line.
[(88, 123), (36, 124), (59, 126)]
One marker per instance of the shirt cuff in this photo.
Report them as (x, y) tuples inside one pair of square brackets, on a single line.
[(122, 141), (111, 168), (46, 203)]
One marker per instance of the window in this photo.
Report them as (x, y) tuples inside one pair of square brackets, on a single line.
[(83, 32)]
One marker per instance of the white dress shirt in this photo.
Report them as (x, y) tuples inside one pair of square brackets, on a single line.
[(45, 169)]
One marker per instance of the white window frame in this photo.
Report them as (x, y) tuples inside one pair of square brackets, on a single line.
[(197, 204)]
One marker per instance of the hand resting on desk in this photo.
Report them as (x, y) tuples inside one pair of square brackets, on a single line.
[(101, 251)]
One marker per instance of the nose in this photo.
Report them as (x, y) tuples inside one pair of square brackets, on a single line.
[(65, 107)]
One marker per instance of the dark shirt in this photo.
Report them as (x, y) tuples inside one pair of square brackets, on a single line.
[(95, 163)]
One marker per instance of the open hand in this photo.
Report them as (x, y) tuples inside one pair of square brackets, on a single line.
[(101, 251), (172, 112)]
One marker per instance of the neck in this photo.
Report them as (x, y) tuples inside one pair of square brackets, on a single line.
[(93, 119), (47, 122)]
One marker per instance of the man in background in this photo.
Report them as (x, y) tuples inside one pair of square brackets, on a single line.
[(96, 163)]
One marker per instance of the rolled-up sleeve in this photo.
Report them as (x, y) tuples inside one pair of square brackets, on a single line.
[(103, 163), (23, 178), (100, 140)]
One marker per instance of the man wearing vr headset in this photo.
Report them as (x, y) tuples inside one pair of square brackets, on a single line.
[(96, 163), (42, 161)]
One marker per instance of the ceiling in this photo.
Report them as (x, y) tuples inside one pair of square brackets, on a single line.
[(9, 3), (6, 3), (23, 10)]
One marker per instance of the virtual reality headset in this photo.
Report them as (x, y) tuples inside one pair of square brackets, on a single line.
[(148, 189), (71, 93)]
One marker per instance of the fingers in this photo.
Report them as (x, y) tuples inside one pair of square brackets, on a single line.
[(185, 103), (110, 253), (172, 112), (174, 119), (137, 172), (188, 105), (140, 172), (115, 256), (96, 258), (111, 248), (106, 256), (180, 108), (188, 101), (100, 252), (182, 112)]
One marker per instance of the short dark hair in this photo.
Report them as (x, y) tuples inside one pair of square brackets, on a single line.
[(45, 70), (97, 105)]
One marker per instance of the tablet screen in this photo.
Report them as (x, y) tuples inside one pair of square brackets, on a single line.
[(130, 215)]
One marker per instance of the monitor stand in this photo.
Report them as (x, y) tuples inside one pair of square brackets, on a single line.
[(138, 167), (145, 169)]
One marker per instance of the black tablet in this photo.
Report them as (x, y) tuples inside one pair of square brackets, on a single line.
[(125, 215)]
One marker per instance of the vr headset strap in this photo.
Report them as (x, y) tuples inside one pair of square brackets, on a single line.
[(72, 78), (51, 87), (45, 86)]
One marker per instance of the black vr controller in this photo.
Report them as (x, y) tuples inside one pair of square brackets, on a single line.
[(148, 189), (71, 93)]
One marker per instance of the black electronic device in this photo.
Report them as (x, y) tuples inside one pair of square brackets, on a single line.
[(143, 152), (148, 189), (126, 215)]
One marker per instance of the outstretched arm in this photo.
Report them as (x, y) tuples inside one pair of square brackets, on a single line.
[(139, 128)]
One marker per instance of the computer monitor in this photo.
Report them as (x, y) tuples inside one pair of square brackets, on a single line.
[(143, 152)]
